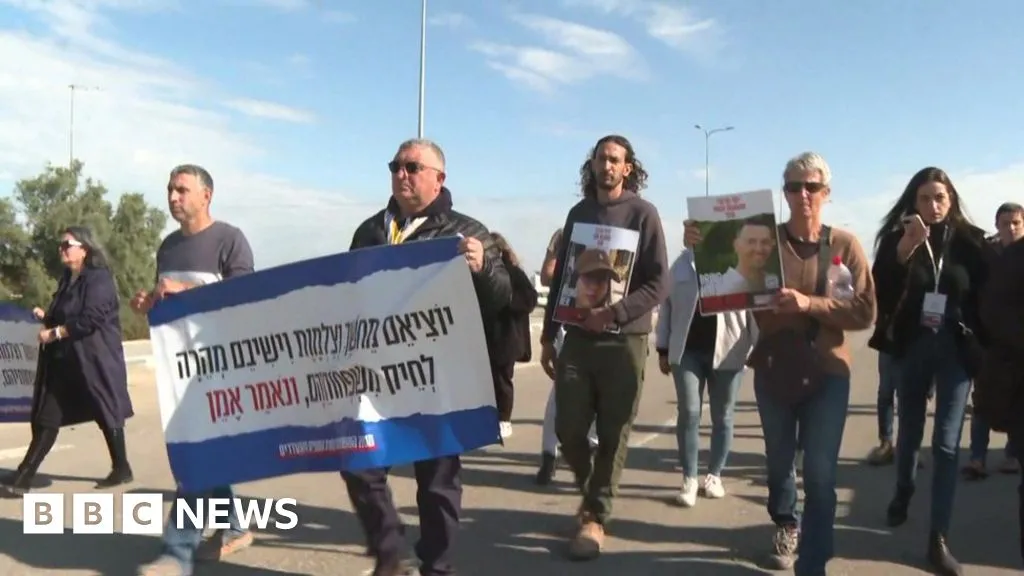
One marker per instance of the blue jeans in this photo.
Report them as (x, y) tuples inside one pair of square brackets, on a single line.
[(980, 437), (823, 416), (693, 372), (932, 357), (888, 382), (181, 544)]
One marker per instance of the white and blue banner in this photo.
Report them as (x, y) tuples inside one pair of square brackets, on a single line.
[(370, 358), (19, 353)]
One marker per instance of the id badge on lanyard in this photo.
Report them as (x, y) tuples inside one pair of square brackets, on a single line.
[(933, 310), (398, 235)]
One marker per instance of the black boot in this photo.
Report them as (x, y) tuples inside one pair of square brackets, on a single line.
[(121, 472), (20, 481), (896, 515), (546, 473), (941, 558)]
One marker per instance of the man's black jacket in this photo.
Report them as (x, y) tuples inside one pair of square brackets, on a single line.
[(493, 287)]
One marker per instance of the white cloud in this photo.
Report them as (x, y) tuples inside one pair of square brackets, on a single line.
[(298, 60), (582, 53), (150, 115), (295, 6), (270, 111), (450, 20), (677, 26), (285, 5), (338, 17), (697, 173)]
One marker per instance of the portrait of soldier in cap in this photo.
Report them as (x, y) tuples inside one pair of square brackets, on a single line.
[(595, 274)]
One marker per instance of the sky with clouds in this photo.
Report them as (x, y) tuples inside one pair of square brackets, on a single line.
[(297, 105)]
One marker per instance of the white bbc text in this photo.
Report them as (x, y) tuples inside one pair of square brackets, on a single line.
[(143, 513)]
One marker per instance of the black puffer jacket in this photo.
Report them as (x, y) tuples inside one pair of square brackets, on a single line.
[(493, 287)]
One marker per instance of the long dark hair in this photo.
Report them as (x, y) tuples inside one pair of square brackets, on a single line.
[(95, 254), (907, 203), (507, 253), (635, 182)]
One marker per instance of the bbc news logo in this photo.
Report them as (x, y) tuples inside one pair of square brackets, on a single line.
[(142, 513)]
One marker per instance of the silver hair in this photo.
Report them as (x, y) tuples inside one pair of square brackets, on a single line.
[(200, 173), (809, 162), (423, 143)]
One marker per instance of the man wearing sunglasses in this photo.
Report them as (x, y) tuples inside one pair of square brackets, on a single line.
[(200, 252), (420, 208)]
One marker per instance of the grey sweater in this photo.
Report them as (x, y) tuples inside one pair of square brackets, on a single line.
[(650, 282)]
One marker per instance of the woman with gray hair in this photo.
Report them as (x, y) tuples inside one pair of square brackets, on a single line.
[(81, 375), (801, 366)]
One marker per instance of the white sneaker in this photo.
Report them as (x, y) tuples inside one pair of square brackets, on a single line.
[(687, 497), (713, 487), (505, 429)]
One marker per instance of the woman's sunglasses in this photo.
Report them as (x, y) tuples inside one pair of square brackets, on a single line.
[(798, 187), (66, 245)]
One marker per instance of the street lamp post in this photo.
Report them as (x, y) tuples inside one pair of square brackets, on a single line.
[(707, 153), (71, 121), (423, 63)]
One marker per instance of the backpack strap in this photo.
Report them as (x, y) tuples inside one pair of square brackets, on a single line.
[(824, 261)]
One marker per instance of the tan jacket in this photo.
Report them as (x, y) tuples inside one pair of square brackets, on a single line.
[(836, 317)]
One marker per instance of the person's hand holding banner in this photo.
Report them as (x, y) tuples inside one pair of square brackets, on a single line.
[(474, 251), (792, 301), (142, 302), (691, 233)]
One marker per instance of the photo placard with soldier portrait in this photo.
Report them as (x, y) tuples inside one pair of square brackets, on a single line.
[(738, 262), (598, 265)]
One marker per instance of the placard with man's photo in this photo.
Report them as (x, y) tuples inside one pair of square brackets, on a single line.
[(598, 265), (737, 261)]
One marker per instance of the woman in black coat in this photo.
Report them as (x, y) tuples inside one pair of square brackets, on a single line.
[(929, 270), (81, 375), (508, 337)]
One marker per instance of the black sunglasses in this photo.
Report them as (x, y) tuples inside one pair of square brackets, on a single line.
[(798, 187), (410, 167)]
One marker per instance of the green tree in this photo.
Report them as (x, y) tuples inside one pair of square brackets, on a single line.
[(39, 208)]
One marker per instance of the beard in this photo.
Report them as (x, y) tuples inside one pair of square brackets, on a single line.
[(607, 183)]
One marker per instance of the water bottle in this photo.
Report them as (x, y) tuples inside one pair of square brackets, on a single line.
[(840, 280)]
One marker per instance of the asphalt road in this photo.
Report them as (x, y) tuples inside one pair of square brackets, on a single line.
[(511, 527)]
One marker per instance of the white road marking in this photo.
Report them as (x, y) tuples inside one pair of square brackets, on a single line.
[(666, 427), (19, 453)]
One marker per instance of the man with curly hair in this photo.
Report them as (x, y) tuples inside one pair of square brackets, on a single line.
[(599, 371)]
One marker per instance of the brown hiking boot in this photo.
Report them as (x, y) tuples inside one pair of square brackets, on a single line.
[(589, 540), (974, 470), (883, 454)]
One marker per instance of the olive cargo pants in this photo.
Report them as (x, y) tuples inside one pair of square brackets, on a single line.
[(598, 376)]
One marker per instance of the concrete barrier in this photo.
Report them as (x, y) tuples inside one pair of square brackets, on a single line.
[(138, 352)]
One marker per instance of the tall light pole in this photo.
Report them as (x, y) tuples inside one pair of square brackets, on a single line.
[(707, 153), (71, 123), (423, 63)]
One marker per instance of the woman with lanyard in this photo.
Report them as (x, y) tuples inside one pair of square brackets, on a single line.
[(929, 270)]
